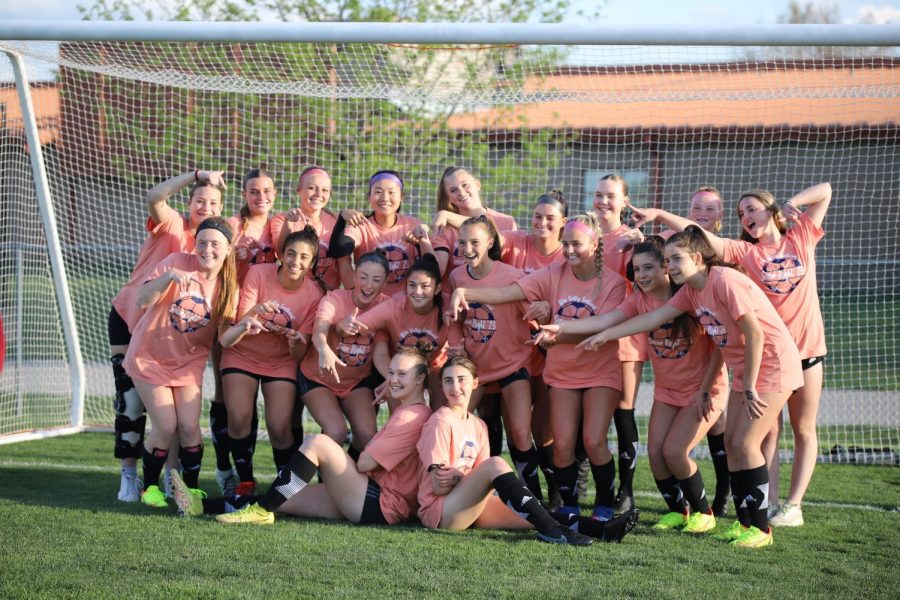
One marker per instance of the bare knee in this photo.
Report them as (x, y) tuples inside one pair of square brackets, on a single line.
[(520, 436), (497, 466), (337, 433), (674, 454)]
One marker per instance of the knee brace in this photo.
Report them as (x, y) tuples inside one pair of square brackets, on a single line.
[(130, 418)]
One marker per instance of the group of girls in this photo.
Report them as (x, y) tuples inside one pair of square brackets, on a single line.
[(345, 297)]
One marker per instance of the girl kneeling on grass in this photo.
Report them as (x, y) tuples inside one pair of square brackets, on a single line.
[(377, 489), (458, 478), (186, 297), (755, 344)]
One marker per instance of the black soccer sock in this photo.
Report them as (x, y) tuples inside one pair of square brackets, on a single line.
[(627, 433), (526, 464), (738, 491), (695, 492), (190, 458), (520, 499), (152, 463), (608, 531), (672, 494), (290, 480), (227, 504), (254, 430), (605, 483), (567, 479), (545, 461), (352, 452), (242, 453), (495, 433), (218, 429), (720, 464), (282, 456), (757, 482)]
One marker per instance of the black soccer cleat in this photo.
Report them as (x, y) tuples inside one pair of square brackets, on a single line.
[(624, 502), (618, 527), (564, 535)]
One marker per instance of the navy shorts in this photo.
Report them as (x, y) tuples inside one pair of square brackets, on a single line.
[(256, 376), (371, 512), (117, 329)]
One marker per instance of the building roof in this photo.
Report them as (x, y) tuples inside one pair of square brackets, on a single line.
[(44, 98)]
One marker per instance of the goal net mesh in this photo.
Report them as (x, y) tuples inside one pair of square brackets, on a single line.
[(115, 118)]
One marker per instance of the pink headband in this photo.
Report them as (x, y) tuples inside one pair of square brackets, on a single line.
[(578, 226), (381, 176), (313, 172)]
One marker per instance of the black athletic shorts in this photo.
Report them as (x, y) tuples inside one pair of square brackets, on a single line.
[(259, 378), (371, 512), (306, 385), (809, 363), (520, 375), (117, 329)]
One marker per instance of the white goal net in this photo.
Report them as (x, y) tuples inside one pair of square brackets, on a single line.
[(117, 117)]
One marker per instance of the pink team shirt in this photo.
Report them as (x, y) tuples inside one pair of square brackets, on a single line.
[(520, 252), (394, 449), (727, 296), (165, 238), (634, 348), (447, 241), (268, 353), (570, 299), (406, 327), (495, 336), (392, 240), (172, 340), (258, 242), (679, 364), (786, 272), (450, 440), (355, 350), (326, 268)]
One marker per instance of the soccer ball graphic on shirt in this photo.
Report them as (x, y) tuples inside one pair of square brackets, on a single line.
[(479, 324), (712, 327), (782, 274), (664, 346), (277, 321), (354, 350), (398, 259), (416, 335), (190, 313), (264, 254), (574, 309)]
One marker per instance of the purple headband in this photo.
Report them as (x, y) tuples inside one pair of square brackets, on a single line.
[(381, 176), (578, 226)]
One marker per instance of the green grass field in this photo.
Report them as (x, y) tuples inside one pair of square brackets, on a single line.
[(65, 535)]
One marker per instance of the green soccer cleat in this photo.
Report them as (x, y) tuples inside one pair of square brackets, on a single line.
[(700, 523), (253, 514), (672, 520), (153, 496), (734, 531), (753, 537), (189, 501)]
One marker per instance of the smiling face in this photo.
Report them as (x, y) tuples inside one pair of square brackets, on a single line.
[(297, 259), (756, 218), (681, 264), (259, 195), (547, 221), (609, 201), (457, 383), (420, 290), (205, 202), (212, 248), (649, 273), (706, 211), (578, 248), (405, 377), (473, 244), (385, 198), (463, 192), (314, 191), (368, 281)]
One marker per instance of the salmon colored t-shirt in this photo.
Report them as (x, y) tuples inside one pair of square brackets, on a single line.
[(406, 327), (448, 238), (679, 364), (355, 350), (326, 268), (570, 299), (394, 449), (520, 252), (634, 348), (727, 296), (392, 240), (786, 272), (267, 353), (495, 336), (452, 440), (257, 240), (165, 238), (172, 340)]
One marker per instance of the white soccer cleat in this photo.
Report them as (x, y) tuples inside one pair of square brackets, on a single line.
[(227, 482), (789, 515), (130, 488)]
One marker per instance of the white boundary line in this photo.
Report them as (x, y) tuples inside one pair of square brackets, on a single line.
[(17, 464)]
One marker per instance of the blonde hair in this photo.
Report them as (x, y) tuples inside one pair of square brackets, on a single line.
[(589, 219), (708, 189)]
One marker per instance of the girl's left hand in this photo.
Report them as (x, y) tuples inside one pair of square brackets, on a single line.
[(294, 337), (791, 213), (593, 343), (447, 476), (755, 405), (704, 406), (538, 311)]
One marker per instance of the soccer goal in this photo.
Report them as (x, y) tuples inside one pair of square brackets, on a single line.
[(94, 114)]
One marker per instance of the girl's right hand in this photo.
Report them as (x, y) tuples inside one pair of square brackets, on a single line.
[(457, 304), (328, 362), (642, 216), (593, 343), (180, 278), (216, 178), (294, 215), (546, 335), (353, 217)]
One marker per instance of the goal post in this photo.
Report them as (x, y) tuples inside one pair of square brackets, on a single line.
[(113, 108)]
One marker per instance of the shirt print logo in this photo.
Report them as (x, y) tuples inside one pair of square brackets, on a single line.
[(414, 335), (712, 326), (190, 313), (279, 320), (479, 324), (322, 261), (467, 454), (574, 307), (398, 260), (660, 339), (355, 350), (782, 274)]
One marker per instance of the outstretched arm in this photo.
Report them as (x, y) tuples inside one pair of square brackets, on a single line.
[(646, 215), (489, 295), (816, 199), (158, 196), (639, 324)]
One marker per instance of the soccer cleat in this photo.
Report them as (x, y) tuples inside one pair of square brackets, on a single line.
[(584, 472), (772, 510), (227, 481), (734, 531), (789, 515), (566, 536), (754, 538), (153, 496), (720, 505), (130, 487), (672, 520), (700, 523), (603, 513), (189, 501), (618, 527), (167, 481), (624, 502), (252, 514), (245, 488)]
